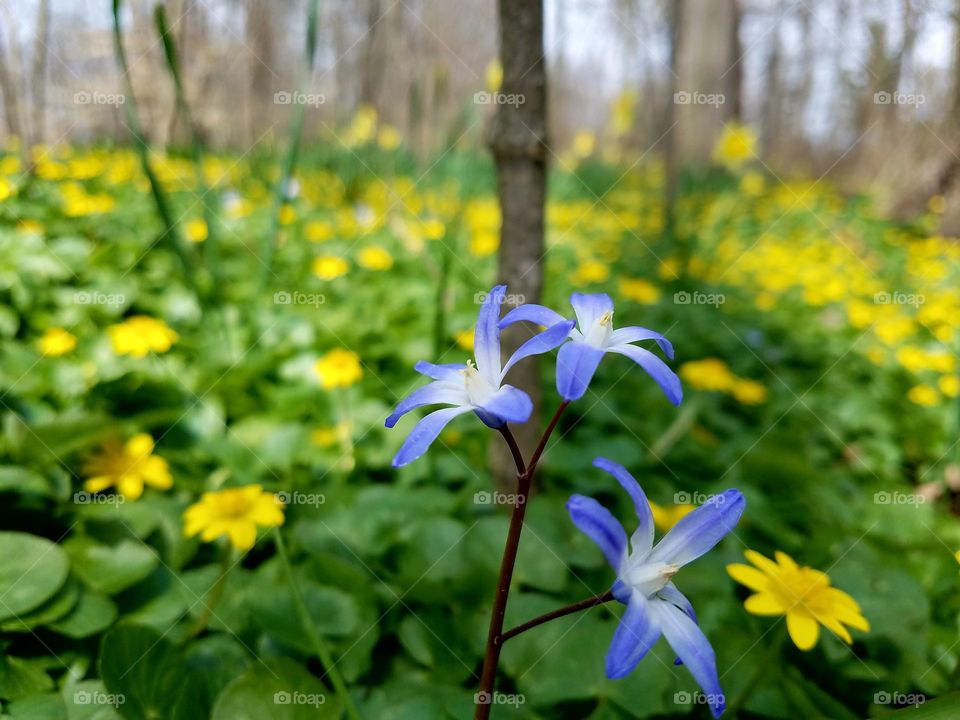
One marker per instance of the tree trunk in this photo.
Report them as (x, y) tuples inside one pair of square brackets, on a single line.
[(518, 138), (671, 138), (11, 93), (38, 74)]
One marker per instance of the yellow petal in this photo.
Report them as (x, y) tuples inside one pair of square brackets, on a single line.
[(764, 563), (98, 484), (803, 629), (785, 560), (140, 445), (243, 535), (746, 575), (836, 627), (131, 487), (764, 604)]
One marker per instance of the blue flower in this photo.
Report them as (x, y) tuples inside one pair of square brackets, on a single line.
[(577, 361), (477, 388), (644, 578)]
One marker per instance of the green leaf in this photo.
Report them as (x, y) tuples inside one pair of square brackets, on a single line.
[(63, 601), (281, 691), (333, 611), (944, 708), (24, 481), (89, 700), (151, 675), (109, 569), (92, 614), (21, 678), (32, 569)]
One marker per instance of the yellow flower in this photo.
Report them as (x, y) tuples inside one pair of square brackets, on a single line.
[(464, 339), (802, 594), (196, 230), (949, 385), (433, 229), (388, 138), (752, 184), (666, 516), (639, 290), (127, 467), (233, 513), (375, 258), (328, 436), (621, 114), (494, 75), (708, 374), (924, 395), (748, 392), (484, 243), (56, 342), (362, 127), (287, 214), (6, 189), (590, 271), (737, 144), (139, 335), (317, 231), (584, 143), (339, 368), (937, 204), (329, 267)]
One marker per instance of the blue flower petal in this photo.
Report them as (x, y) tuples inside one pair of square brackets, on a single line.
[(576, 364), (486, 336), (589, 307), (509, 404), (432, 394), (598, 524), (540, 343), (537, 314), (635, 334), (693, 649), (642, 539), (701, 530), (424, 433), (670, 593), (656, 368), (440, 372), (637, 632)]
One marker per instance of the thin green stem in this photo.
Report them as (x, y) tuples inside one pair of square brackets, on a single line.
[(319, 646), (212, 599), (773, 649)]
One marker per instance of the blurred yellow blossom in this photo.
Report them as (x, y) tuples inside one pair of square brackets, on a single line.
[(666, 516), (329, 267), (56, 342), (639, 290), (388, 138), (484, 243), (923, 395), (464, 339), (318, 231), (493, 75), (584, 143), (195, 230), (748, 392), (339, 368), (235, 513), (590, 271), (949, 385), (736, 145), (127, 467), (139, 335), (375, 258), (707, 374)]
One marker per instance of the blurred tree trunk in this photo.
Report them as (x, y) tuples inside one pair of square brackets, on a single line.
[(11, 93), (518, 136), (373, 68), (38, 74), (733, 76), (671, 138), (260, 41)]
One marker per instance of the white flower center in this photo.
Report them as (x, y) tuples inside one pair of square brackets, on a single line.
[(649, 578), (478, 389), (599, 334)]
